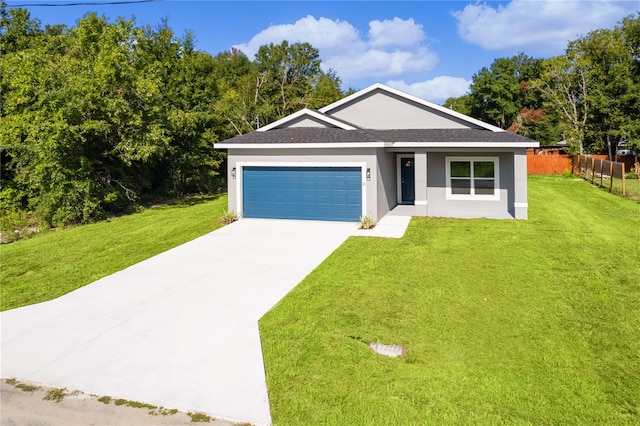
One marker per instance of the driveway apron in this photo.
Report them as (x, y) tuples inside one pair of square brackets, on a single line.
[(178, 330)]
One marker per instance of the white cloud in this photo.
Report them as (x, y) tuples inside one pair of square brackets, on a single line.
[(436, 90), (324, 34), (397, 32), (391, 48), (537, 26)]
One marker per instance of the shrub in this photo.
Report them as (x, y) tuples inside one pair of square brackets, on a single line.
[(367, 222), (228, 217)]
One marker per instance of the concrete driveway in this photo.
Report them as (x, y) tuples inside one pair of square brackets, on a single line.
[(177, 330)]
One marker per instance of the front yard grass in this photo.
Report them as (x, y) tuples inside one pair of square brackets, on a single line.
[(505, 322), (52, 264)]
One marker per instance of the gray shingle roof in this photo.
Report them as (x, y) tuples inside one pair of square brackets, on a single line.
[(302, 135)]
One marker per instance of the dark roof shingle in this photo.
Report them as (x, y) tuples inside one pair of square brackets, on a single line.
[(302, 135)]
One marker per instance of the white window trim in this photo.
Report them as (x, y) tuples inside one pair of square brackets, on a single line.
[(239, 165), (483, 197)]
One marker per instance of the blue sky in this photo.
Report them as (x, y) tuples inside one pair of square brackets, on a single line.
[(430, 49)]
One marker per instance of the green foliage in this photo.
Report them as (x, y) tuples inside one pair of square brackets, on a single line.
[(504, 95), (590, 96), (595, 88), (461, 104), (500, 92), (99, 116), (283, 79)]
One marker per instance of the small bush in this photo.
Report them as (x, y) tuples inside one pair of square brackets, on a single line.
[(228, 217), (367, 222)]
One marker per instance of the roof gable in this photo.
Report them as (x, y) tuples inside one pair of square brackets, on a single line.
[(381, 107), (307, 118)]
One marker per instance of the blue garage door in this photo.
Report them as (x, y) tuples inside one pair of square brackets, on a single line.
[(315, 193)]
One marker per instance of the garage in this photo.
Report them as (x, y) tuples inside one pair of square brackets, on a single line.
[(311, 193)]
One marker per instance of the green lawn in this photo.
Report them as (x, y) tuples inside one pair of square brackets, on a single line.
[(52, 264), (506, 322), (632, 188)]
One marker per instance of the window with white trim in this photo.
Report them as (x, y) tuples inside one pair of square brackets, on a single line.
[(472, 178)]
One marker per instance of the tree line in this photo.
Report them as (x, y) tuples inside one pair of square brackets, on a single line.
[(588, 97), (101, 116)]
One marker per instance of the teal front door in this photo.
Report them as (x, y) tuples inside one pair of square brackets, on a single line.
[(408, 179)]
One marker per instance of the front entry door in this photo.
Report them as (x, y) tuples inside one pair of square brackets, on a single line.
[(407, 176)]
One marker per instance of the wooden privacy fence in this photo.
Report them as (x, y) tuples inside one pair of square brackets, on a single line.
[(548, 164), (601, 172), (552, 160)]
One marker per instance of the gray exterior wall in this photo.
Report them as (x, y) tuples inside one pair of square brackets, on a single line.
[(300, 157), (380, 193), (382, 110), (386, 182), (439, 205)]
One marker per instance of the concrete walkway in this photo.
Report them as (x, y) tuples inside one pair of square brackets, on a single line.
[(177, 330)]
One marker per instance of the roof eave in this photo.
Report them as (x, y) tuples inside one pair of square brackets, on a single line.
[(532, 144), (303, 145)]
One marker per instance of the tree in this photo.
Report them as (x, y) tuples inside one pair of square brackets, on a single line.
[(283, 79), (595, 87), (461, 104), (17, 29), (103, 114), (564, 82), (287, 75), (610, 77), (500, 92)]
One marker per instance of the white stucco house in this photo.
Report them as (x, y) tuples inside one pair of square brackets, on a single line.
[(371, 151)]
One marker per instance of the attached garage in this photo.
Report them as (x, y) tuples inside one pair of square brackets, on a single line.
[(311, 193)]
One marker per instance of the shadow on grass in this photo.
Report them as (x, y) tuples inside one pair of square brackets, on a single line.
[(186, 201)]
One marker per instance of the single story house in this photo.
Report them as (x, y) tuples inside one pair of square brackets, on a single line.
[(371, 151)]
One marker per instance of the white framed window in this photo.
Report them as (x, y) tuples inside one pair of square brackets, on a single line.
[(472, 178)]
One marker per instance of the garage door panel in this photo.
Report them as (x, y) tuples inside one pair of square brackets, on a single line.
[(317, 193)]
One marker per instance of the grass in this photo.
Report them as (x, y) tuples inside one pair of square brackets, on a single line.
[(134, 404), (49, 265), (200, 417), (105, 399), (505, 322), (632, 186), (27, 388), (56, 395)]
